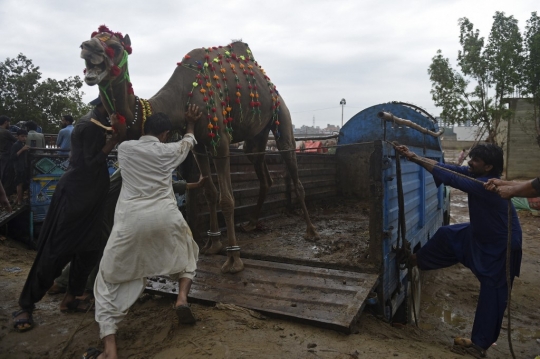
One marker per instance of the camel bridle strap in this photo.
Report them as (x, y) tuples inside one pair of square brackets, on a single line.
[(125, 77)]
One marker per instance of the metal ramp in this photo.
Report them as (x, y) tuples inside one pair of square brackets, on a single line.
[(323, 297)]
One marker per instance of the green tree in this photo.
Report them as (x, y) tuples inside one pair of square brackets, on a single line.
[(18, 81), (531, 73), (24, 97), (489, 73), (57, 98)]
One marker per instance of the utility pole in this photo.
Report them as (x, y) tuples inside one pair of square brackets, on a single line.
[(342, 103)]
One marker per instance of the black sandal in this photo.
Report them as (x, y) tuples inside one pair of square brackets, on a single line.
[(91, 353), (184, 314), (18, 323), (75, 306)]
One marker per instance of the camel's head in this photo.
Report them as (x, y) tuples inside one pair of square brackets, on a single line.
[(105, 55)]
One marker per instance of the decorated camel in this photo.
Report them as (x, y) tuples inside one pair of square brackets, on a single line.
[(238, 101)]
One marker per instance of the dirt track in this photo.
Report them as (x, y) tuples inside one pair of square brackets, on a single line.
[(149, 331)]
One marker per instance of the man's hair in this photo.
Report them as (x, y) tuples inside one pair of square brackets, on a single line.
[(31, 125), (4, 119), (491, 155), (68, 118), (21, 132), (157, 124)]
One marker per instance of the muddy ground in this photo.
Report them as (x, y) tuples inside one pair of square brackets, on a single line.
[(149, 331)]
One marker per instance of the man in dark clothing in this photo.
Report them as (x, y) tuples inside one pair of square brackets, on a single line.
[(70, 232), (6, 141), (19, 156), (479, 245)]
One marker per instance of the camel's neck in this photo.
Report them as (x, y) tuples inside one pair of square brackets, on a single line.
[(172, 98), (117, 97)]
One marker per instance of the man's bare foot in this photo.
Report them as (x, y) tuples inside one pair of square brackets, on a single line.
[(70, 304)]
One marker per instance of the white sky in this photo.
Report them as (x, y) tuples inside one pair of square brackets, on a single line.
[(316, 52)]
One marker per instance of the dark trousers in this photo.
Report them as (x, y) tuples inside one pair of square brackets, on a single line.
[(47, 267), (442, 251)]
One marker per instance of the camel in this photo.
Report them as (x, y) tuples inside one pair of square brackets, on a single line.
[(239, 103)]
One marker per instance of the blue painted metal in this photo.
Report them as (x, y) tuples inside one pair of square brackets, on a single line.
[(46, 168), (365, 126), (424, 202)]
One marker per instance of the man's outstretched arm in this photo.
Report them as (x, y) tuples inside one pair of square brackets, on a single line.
[(427, 163), (509, 189)]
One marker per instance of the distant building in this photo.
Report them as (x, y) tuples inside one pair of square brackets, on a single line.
[(519, 140)]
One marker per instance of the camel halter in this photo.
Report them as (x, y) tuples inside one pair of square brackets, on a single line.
[(103, 89)]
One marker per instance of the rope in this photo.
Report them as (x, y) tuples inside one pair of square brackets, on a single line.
[(272, 152), (77, 329), (508, 277), (402, 232)]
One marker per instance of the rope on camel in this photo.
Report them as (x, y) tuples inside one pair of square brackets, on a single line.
[(272, 152)]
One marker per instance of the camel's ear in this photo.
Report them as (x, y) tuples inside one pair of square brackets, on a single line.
[(127, 40)]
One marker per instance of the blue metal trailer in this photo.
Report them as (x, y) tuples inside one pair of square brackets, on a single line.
[(426, 206)]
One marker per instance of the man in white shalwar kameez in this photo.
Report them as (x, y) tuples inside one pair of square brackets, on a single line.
[(150, 236)]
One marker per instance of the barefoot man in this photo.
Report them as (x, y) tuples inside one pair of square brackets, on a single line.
[(149, 236)]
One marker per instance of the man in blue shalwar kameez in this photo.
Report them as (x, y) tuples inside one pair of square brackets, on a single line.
[(479, 245)]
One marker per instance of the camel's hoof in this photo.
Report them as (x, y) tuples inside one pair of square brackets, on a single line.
[(312, 235), (248, 227), (233, 265), (212, 247), (215, 248)]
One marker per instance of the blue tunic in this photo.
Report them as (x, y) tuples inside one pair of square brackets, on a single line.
[(479, 245), (483, 244)]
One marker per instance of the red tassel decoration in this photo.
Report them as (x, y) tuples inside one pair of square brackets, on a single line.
[(121, 119), (110, 52), (115, 71), (128, 49), (103, 28)]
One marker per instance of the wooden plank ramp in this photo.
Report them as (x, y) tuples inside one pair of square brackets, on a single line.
[(324, 297)]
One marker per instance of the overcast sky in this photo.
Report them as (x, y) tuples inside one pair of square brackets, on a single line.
[(316, 52)]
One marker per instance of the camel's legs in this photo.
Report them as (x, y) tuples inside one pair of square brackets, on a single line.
[(258, 144), (213, 245), (287, 144), (234, 263)]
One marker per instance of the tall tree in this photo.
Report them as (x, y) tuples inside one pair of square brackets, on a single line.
[(18, 81), (489, 73), (531, 73), (24, 97)]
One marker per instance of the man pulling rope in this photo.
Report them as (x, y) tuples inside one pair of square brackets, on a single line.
[(480, 245)]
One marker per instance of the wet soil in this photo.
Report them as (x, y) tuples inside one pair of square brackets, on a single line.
[(150, 331), (343, 229)]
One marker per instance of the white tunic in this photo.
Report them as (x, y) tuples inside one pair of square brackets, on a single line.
[(149, 236)]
